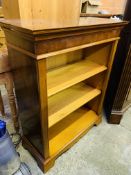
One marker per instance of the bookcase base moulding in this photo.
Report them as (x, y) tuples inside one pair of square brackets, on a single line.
[(60, 78)]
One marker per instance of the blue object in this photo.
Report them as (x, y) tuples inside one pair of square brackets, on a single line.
[(9, 159), (2, 128)]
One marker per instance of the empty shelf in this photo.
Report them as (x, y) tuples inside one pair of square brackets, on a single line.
[(64, 77), (65, 102), (67, 132)]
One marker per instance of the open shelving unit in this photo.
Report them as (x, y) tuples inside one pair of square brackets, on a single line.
[(74, 91), (60, 77)]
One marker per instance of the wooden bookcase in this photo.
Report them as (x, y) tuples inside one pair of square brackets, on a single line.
[(60, 78)]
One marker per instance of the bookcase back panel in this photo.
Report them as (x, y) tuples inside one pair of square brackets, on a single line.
[(101, 54), (97, 80), (64, 59)]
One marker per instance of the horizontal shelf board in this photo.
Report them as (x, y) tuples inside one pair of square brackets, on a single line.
[(70, 130), (65, 102), (62, 78)]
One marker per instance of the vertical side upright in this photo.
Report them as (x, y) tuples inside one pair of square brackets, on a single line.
[(24, 71), (43, 104), (100, 81), (107, 76)]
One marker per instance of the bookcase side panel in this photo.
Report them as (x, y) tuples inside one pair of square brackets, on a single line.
[(24, 72)]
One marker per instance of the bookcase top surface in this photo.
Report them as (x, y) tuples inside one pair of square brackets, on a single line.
[(36, 27)]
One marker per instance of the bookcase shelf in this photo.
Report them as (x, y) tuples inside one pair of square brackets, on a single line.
[(71, 74), (67, 101), (70, 129)]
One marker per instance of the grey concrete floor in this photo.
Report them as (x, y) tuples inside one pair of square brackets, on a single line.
[(104, 150)]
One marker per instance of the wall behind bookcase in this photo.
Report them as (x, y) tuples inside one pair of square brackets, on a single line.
[(113, 6)]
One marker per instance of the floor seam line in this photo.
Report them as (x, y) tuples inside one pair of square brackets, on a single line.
[(125, 128)]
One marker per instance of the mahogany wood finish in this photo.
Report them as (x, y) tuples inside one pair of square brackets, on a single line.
[(119, 87), (1, 105), (121, 104), (41, 58)]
